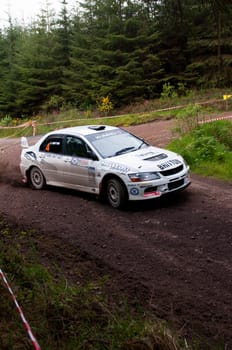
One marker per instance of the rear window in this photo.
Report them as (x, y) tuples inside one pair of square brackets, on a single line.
[(52, 145)]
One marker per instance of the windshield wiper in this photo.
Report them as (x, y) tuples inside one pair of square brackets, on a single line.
[(142, 143), (123, 150)]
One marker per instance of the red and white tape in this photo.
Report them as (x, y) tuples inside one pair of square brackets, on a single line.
[(215, 119), (26, 324)]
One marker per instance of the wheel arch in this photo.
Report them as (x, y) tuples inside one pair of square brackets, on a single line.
[(106, 178), (28, 173)]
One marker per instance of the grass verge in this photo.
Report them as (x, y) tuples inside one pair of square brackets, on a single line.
[(64, 315), (207, 149)]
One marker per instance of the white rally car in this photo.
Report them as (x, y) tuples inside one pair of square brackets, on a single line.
[(103, 160)]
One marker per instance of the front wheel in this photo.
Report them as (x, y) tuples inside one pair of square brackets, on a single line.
[(116, 193), (36, 178)]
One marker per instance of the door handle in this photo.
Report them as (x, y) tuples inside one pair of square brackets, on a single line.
[(67, 160)]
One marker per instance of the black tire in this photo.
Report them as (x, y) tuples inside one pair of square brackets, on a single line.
[(36, 178), (116, 193)]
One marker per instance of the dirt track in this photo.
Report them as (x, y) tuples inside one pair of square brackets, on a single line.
[(172, 255)]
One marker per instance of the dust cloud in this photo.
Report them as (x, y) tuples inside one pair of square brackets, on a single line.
[(9, 163), (8, 175)]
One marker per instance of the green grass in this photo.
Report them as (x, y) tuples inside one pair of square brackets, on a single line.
[(207, 149)]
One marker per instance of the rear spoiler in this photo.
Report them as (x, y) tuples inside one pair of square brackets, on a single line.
[(24, 142)]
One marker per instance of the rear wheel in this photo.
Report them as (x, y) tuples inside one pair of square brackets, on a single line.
[(116, 193), (36, 178)]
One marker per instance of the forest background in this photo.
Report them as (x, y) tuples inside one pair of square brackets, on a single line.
[(126, 51)]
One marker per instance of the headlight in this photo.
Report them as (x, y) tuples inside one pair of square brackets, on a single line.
[(139, 177)]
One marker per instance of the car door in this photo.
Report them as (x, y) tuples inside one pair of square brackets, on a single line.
[(80, 168), (51, 158)]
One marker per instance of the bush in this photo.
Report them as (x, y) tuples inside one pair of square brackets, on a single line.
[(207, 149), (105, 105), (168, 91), (187, 118), (220, 130), (6, 121)]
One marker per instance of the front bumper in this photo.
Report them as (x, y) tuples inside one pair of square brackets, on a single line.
[(155, 189)]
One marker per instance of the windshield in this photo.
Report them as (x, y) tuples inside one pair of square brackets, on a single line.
[(115, 142)]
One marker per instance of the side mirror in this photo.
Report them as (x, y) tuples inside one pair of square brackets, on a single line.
[(92, 155)]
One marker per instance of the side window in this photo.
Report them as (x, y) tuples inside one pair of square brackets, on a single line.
[(52, 145), (76, 147)]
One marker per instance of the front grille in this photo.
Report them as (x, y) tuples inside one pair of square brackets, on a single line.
[(172, 171), (175, 184)]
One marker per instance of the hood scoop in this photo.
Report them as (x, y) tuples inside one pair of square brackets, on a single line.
[(157, 157)]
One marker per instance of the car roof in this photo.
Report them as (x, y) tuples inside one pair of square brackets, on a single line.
[(84, 129)]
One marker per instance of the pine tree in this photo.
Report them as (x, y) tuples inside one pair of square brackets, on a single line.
[(37, 66), (9, 42)]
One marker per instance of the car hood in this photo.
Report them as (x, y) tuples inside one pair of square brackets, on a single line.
[(148, 159)]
